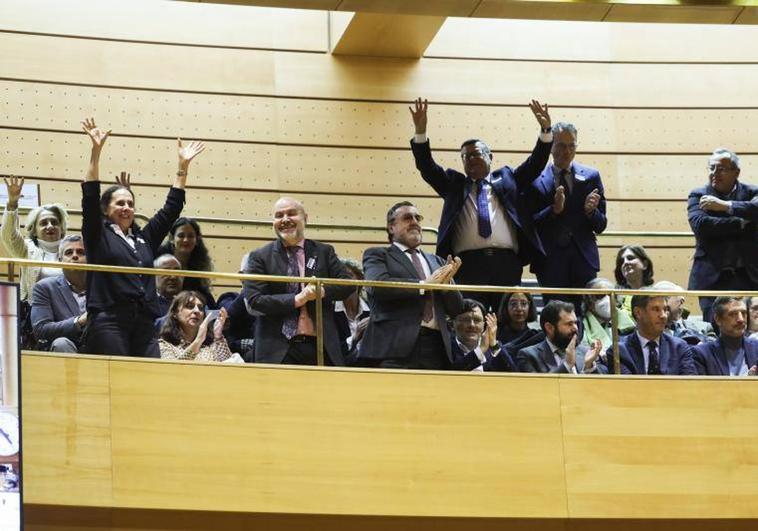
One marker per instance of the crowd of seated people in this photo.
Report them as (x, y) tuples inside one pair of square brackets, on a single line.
[(494, 221)]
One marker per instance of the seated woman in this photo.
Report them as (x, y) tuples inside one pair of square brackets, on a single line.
[(45, 228), (186, 243), (123, 307), (515, 312), (597, 316), (634, 270), (184, 335)]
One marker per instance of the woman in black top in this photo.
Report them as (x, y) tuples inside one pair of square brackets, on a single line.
[(122, 307)]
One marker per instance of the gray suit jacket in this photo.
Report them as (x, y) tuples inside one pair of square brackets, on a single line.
[(539, 358), (54, 311)]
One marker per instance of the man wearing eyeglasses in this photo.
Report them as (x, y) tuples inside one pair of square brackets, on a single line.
[(484, 221), (408, 327), (569, 210), (723, 215)]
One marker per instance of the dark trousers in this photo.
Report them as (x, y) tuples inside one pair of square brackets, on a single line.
[(302, 351), (729, 280), (428, 353), (124, 330), (569, 270), (492, 267)]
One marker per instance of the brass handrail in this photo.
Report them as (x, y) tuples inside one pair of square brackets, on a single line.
[(432, 230), (320, 282)]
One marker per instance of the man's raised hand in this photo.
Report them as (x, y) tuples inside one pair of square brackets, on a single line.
[(418, 112), (541, 114)]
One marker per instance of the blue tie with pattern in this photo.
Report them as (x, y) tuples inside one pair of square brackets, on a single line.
[(483, 210)]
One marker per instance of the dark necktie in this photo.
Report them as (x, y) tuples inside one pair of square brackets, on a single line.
[(653, 363), (428, 303), (289, 325), (563, 181), (483, 210)]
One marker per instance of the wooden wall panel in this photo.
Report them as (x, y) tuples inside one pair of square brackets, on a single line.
[(66, 431), (196, 24), (680, 438), (593, 41), (318, 75)]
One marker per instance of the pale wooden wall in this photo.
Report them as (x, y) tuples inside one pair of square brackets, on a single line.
[(150, 434), (281, 115)]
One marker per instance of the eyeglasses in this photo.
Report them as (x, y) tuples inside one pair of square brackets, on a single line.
[(518, 304), (719, 169), (461, 319), (411, 217), (473, 155), (561, 145)]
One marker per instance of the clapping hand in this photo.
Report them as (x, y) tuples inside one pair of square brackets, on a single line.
[(489, 337), (96, 134), (418, 112), (593, 354), (445, 274), (571, 353), (559, 201), (14, 186), (541, 114), (218, 326), (753, 370), (591, 202)]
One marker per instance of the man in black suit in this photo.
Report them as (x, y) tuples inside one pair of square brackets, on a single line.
[(648, 350), (475, 345), (732, 354), (167, 285), (408, 327), (723, 215), (485, 220), (59, 303), (559, 353), (286, 332)]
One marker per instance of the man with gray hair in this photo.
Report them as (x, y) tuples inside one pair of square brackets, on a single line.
[(568, 202), (59, 303), (167, 285), (723, 215)]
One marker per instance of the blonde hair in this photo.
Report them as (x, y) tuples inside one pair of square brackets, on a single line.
[(59, 211)]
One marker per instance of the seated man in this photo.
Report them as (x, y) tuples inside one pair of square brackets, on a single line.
[(677, 324), (59, 303), (559, 353), (408, 328), (732, 354), (167, 285), (475, 345), (648, 350)]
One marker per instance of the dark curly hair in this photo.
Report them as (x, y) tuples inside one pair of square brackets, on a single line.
[(199, 259), (171, 331)]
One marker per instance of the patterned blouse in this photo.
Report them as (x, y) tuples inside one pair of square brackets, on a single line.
[(216, 351)]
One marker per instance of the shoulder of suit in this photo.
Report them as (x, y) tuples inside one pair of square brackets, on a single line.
[(588, 171), (47, 283), (701, 190)]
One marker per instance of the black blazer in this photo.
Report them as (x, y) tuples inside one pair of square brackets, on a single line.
[(720, 239), (710, 358), (103, 246), (54, 311), (396, 313), (507, 184), (275, 303)]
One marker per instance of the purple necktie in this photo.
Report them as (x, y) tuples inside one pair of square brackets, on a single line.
[(483, 210), (289, 325), (428, 308)]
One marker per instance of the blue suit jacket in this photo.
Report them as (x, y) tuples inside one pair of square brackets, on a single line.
[(572, 226), (675, 356), (468, 361), (710, 359), (396, 314), (539, 358), (507, 184), (720, 238), (54, 311)]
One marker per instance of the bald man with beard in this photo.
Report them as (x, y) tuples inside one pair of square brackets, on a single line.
[(286, 332)]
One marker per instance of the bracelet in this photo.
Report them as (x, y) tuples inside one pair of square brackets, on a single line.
[(181, 173)]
